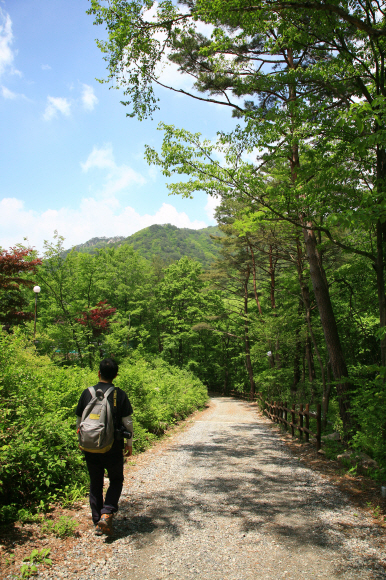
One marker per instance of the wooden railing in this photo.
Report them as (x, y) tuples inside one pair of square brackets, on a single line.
[(281, 413)]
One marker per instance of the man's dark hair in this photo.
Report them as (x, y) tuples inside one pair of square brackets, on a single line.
[(108, 369)]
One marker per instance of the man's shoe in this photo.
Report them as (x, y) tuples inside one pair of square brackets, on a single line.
[(97, 530), (105, 525)]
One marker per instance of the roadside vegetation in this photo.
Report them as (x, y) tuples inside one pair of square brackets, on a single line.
[(40, 463)]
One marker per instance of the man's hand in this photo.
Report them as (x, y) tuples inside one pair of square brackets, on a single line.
[(128, 449)]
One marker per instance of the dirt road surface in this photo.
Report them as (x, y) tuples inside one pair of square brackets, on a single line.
[(226, 499)]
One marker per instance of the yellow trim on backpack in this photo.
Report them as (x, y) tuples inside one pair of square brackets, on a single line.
[(94, 416), (103, 450)]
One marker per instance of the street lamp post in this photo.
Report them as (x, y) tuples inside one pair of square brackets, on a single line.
[(36, 289)]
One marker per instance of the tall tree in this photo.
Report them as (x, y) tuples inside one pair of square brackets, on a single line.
[(250, 54)]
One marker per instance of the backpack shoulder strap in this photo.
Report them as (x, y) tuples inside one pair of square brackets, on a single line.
[(109, 413), (115, 409), (109, 391), (90, 404)]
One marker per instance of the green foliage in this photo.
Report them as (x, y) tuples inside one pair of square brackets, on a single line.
[(39, 557), (160, 394), (164, 242), (332, 449), (369, 405), (37, 444), (309, 150), (170, 243), (29, 567), (63, 528), (40, 462)]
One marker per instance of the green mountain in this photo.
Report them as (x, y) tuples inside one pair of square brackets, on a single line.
[(164, 241)]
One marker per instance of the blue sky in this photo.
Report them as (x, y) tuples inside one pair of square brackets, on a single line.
[(70, 158)]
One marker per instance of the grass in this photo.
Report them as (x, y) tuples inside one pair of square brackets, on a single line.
[(63, 528)]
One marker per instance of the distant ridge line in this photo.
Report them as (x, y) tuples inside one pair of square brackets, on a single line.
[(164, 241)]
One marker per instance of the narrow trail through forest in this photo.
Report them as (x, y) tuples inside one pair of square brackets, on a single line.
[(226, 499)]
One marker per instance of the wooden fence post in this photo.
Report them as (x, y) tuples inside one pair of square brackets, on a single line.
[(280, 412), (318, 426), (301, 421), (293, 420), (307, 422)]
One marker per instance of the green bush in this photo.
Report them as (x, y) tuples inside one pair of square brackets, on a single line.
[(160, 395), (40, 462), (38, 450), (369, 410)]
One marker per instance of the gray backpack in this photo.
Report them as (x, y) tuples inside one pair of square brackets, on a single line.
[(96, 429)]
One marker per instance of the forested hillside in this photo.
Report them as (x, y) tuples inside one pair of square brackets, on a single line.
[(164, 242)]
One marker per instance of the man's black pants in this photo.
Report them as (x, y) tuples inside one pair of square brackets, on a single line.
[(96, 468)]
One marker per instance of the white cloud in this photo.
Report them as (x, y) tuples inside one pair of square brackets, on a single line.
[(211, 205), (100, 158), (56, 105), (118, 177), (7, 94), (93, 218), (46, 67), (89, 99), (252, 156), (166, 71), (6, 39), (204, 28)]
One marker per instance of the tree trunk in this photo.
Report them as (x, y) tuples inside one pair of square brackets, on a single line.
[(246, 337), (271, 358), (326, 396), (305, 298), (225, 343), (272, 275), (160, 346), (226, 381), (330, 329), (277, 354), (379, 268), (180, 356), (310, 359), (319, 283), (304, 365), (298, 348), (254, 279)]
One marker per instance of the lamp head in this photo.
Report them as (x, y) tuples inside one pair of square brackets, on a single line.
[(36, 289)]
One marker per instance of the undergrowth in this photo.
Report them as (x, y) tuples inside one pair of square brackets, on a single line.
[(40, 463), (30, 564), (63, 528)]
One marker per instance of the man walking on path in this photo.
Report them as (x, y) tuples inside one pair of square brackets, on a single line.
[(112, 460)]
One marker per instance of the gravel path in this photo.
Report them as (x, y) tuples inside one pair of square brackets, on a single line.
[(227, 500)]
